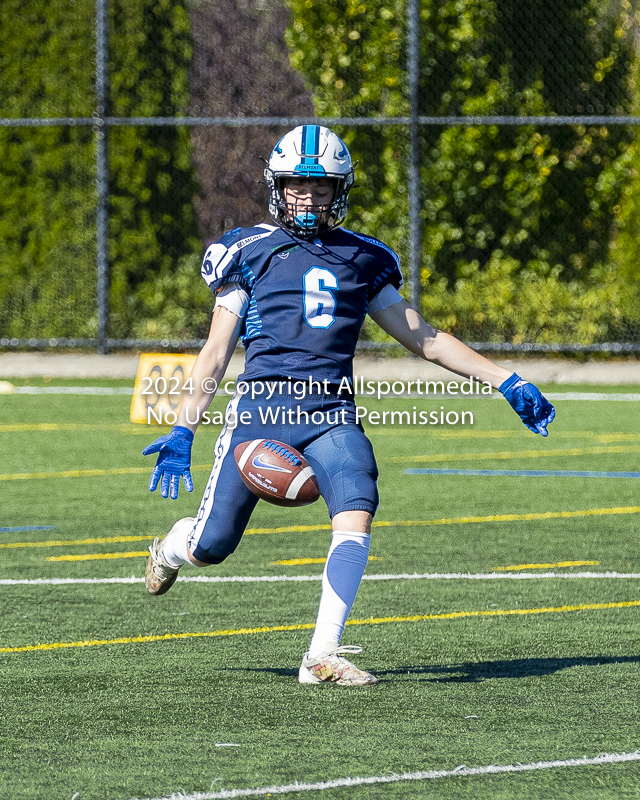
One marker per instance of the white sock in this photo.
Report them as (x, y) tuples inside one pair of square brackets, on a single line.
[(341, 578), (175, 551)]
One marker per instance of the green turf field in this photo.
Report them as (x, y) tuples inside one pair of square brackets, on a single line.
[(110, 694)]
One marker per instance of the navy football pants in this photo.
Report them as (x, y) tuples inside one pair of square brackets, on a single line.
[(331, 441)]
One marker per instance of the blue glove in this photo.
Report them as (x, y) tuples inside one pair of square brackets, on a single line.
[(532, 407), (174, 460)]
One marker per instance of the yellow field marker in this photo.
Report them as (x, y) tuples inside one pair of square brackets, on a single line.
[(326, 526), (589, 512), (603, 438), (99, 556), (616, 437), (509, 454), (497, 613), (516, 567), (298, 562), (130, 428), (71, 473), (459, 434), (544, 515), (145, 554), (66, 542), (88, 473), (26, 427), (428, 458), (309, 625)]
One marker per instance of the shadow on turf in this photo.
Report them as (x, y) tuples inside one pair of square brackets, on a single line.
[(517, 668), (476, 672)]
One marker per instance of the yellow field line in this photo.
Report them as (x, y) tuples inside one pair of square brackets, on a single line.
[(137, 430), (98, 556), (20, 427), (66, 542), (128, 428), (309, 625), (590, 512), (543, 515), (471, 434), (299, 562), (435, 457), (508, 454), (88, 473), (145, 554), (325, 526), (546, 566), (72, 473)]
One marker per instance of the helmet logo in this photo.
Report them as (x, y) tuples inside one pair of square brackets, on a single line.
[(309, 169)]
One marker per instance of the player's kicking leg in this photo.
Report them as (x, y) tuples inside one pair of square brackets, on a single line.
[(162, 570), (215, 533)]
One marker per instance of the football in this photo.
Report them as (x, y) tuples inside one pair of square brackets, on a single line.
[(277, 472)]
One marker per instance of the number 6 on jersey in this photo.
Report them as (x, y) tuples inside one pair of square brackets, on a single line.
[(319, 300)]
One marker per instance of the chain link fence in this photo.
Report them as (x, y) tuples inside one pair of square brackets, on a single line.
[(496, 153)]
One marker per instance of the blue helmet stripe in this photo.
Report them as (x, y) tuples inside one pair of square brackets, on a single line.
[(310, 143), (310, 152)]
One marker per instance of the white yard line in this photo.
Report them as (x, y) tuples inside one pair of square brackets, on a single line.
[(403, 576), (459, 772)]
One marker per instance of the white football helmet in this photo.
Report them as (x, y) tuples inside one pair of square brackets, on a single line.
[(309, 151)]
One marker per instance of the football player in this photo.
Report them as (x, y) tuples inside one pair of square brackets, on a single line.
[(296, 292)]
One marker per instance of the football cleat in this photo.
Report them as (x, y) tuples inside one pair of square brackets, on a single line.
[(158, 577), (332, 667)]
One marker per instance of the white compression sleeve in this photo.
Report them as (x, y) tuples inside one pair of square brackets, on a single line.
[(234, 298), (341, 578)]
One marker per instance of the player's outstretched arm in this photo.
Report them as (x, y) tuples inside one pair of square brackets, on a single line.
[(210, 367), (174, 449), (407, 327)]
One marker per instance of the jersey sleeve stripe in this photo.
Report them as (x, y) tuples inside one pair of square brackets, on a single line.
[(218, 265)]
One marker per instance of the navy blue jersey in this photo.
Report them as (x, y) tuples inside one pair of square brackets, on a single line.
[(308, 299)]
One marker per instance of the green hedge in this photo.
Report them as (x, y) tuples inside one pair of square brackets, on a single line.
[(48, 199), (517, 221)]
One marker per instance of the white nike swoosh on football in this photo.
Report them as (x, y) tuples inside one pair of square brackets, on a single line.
[(258, 462)]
